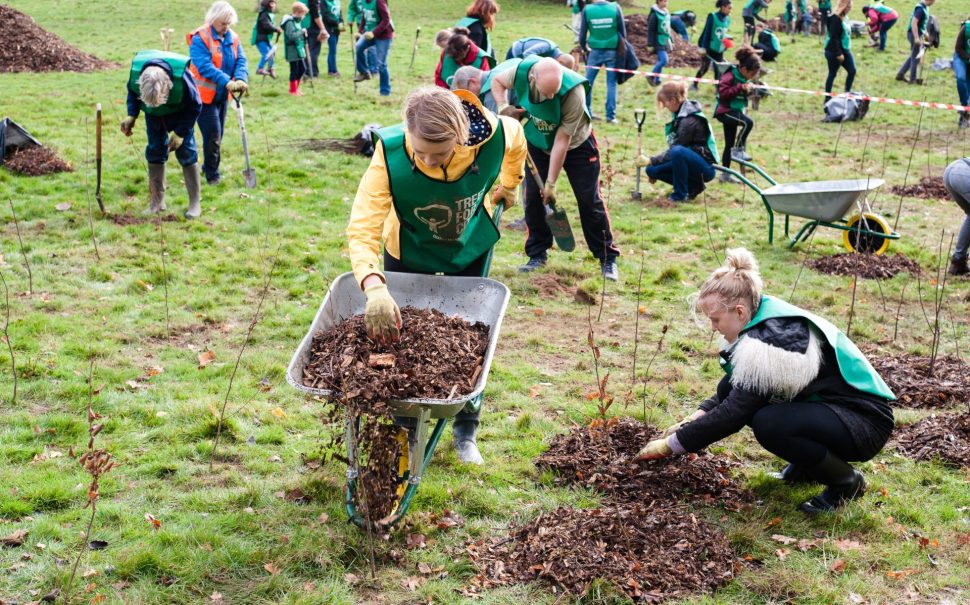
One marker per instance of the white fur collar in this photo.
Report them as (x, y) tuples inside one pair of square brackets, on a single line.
[(762, 368)]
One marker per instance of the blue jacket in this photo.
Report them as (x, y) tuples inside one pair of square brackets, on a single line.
[(232, 68), (182, 122)]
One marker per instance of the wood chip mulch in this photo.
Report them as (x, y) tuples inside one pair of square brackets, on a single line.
[(125, 220), (928, 188), (35, 161), (945, 437), (27, 47), (868, 266), (682, 54), (908, 377)]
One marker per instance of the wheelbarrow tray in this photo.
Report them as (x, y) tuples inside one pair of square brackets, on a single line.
[(471, 298), (825, 201)]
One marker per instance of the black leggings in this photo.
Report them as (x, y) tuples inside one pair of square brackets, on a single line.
[(748, 29), (802, 433), (708, 62), (297, 69), (733, 120)]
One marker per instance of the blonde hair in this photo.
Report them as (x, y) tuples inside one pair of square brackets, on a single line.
[(221, 11), (154, 86), (672, 91), (299, 8), (436, 115), (736, 282)]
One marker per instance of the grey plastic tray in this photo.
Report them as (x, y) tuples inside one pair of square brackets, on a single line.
[(471, 298), (818, 200)]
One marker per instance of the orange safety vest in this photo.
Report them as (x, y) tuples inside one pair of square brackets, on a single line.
[(207, 88)]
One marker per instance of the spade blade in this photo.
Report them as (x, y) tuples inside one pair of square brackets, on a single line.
[(558, 223)]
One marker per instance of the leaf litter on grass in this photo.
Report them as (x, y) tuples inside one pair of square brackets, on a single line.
[(941, 436)]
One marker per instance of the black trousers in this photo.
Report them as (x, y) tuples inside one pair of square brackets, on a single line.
[(733, 120), (748, 29), (708, 62), (803, 432), (297, 69), (582, 167)]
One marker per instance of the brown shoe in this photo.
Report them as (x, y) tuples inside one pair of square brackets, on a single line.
[(958, 267)]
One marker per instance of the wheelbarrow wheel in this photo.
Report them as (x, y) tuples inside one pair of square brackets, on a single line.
[(867, 234)]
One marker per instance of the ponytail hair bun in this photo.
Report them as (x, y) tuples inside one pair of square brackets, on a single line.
[(736, 282)]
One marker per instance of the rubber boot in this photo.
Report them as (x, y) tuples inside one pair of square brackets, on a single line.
[(156, 188), (463, 435), (792, 475), (958, 267), (843, 483), (193, 185)]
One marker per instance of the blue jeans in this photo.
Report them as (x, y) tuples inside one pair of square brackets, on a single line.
[(332, 53), (848, 62), (607, 58), (960, 71), (212, 123), (685, 169), (264, 48), (659, 67), (883, 30), (381, 48), (157, 150), (911, 63), (677, 24)]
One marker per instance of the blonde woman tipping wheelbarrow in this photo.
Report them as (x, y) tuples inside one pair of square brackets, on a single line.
[(425, 198)]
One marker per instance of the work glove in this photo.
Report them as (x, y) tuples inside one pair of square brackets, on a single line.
[(237, 87), (655, 450), (650, 50), (504, 196), (174, 142), (127, 124), (356, 37), (369, 36), (840, 58), (342, 27), (549, 194), (382, 317), (641, 161), (511, 111), (673, 428)]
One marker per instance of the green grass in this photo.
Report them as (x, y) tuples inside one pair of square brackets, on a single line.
[(219, 529)]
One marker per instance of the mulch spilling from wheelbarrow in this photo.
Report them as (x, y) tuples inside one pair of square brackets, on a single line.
[(649, 552), (928, 188), (682, 54), (910, 380), (869, 266), (945, 437), (27, 47), (35, 161), (601, 457)]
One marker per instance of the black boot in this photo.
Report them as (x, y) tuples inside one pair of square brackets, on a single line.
[(843, 483), (463, 434), (793, 474)]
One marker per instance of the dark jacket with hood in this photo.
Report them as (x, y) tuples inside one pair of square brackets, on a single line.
[(182, 122), (690, 131), (727, 89)]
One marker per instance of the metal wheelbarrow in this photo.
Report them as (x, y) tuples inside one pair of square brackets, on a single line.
[(471, 298), (825, 204)]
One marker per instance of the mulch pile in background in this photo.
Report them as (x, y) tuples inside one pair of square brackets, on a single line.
[(35, 161), (780, 28), (27, 47), (869, 266), (907, 376), (928, 188), (682, 54), (644, 539), (945, 437)]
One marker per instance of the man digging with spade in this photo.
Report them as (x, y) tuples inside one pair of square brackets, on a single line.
[(425, 195), (560, 137), (159, 84)]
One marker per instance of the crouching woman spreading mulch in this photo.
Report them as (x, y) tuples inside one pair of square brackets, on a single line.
[(807, 392)]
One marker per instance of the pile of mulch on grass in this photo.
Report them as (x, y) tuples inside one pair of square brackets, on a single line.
[(681, 54), (602, 457), (27, 47), (908, 377), (928, 188), (125, 220), (945, 437), (869, 266), (650, 553), (35, 161), (437, 357)]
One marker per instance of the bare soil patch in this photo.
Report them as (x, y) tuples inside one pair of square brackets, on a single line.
[(945, 437), (27, 47), (909, 378), (682, 54), (868, 266), (928, 188), (124, 220), (35, 161)]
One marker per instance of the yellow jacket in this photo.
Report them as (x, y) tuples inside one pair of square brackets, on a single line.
[(372, 218)]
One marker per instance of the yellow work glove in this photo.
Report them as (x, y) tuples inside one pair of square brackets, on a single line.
[(342, 27), (369, 36), (174, 142), (655, 450), (356, 37), (127, 124), (382, 317), (237, 87), (504, 196), (641, 161), (673, 428), (549, 194)]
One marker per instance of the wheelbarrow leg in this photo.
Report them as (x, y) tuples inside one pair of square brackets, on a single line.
[(804, 233)]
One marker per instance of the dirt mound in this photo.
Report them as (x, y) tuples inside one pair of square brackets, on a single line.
[(780, 28), (650, 553), (124, 220), (945, 437), (908, 377), (928, 188), (27, 47), (601, 457), (869, 266), (682, 54), (35, 161)]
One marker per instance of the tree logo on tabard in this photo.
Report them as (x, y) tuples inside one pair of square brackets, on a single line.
[(435, 216)]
